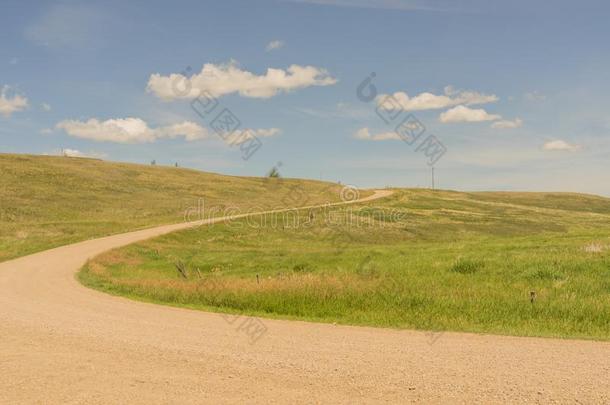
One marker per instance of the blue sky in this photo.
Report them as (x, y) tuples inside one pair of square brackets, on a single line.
[(527, 106)]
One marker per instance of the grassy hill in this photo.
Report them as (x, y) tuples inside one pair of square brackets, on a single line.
[(509, 263), (48, 201)]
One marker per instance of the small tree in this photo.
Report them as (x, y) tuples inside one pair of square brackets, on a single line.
[(153, 163), (274, 173)]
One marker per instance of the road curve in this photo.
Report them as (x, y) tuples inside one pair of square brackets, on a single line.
[(63, 343)]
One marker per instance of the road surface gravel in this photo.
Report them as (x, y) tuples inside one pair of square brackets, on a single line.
[(61, 342)]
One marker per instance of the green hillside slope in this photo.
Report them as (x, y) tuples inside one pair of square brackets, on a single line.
[(508, 263), (48, 201)]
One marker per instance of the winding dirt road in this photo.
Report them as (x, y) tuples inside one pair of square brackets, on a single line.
[(63, 343)]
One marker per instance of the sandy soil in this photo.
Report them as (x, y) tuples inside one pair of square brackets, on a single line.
[(63, 343)]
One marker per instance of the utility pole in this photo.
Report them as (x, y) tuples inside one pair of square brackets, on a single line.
[(432, 177)]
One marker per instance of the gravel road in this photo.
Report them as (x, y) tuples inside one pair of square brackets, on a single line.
[(63, 343)]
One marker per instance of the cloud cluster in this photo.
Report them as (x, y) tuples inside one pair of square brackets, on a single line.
[(430, 101), (559, 145), (223, 79), (273, 45), (130, 130), (365, 134), (136, 130), (457, 102), (11, 103)]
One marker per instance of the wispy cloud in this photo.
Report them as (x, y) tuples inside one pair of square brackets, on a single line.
[(220, 80), (273, 45), (45, 107), (340, 110), (68, 25), (534, 96)]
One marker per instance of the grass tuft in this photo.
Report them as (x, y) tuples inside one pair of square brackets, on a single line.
[(464, 266)]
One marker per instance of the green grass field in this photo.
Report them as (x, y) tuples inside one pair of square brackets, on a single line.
[(48, 201), (418, 259)]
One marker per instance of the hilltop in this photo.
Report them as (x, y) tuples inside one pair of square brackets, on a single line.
[(48, 201)]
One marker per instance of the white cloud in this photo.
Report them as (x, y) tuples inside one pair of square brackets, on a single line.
[(535, 96), (266, 133), (465, 114), (76, 153), (559, 145), (429, 101), (10, 103), (273, 45), (507, 124), (136, 130), (239, 136), (130, 130), (72, 152), (188, 129), (223, 79), (46, 107), (46, 131), (14, 61), (365, 134)]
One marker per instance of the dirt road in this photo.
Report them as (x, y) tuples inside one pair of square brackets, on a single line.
[(63, 343)]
